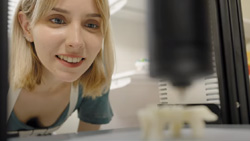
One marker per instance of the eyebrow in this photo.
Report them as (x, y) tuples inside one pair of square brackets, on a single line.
[(94, 15), (60, 10), (67, 12)]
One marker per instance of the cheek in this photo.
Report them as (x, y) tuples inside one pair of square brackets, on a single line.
[(46, 35), (46, 39), (95, 45)]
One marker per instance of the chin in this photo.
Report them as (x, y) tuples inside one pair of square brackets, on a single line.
[(68, 78)]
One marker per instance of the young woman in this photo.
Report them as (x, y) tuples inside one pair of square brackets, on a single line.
[(61, 61)]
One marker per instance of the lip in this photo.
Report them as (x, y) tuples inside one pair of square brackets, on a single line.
[(71, 55), (70, 65)]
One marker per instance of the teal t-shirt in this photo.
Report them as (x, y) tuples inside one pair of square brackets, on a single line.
[(95, 111)]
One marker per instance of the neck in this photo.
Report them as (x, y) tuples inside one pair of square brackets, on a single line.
[(50, 84)]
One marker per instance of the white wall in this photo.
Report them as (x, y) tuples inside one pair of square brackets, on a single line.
[(248, 46), (246, 8), (246, 15), (130, 39)]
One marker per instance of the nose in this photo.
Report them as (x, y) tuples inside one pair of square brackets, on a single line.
[(74, 37)]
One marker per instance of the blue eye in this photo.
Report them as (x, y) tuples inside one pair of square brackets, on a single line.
[(57, 21), (91, 25)]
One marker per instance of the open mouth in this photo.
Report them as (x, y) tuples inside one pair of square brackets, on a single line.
[(72, 60)]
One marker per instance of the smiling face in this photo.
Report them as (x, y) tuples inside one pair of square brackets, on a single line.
[(68, 38)]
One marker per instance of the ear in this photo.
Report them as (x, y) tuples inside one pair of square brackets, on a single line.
[(25, 24)]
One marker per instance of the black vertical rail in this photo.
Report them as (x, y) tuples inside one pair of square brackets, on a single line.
[(217, 37), (231, 60), (239, 47), (244, 59), (226, 72), (3, 68)]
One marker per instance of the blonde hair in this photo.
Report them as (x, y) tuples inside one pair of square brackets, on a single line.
[(26, 68)]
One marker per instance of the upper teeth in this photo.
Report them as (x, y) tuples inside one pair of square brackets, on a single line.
[(70, 59)]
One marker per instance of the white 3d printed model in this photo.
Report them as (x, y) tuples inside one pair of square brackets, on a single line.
[(154, 119)]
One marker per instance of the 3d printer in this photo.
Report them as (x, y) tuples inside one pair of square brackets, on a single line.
[(184, 38)]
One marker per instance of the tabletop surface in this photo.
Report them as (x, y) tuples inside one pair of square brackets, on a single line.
[(213, 132)]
